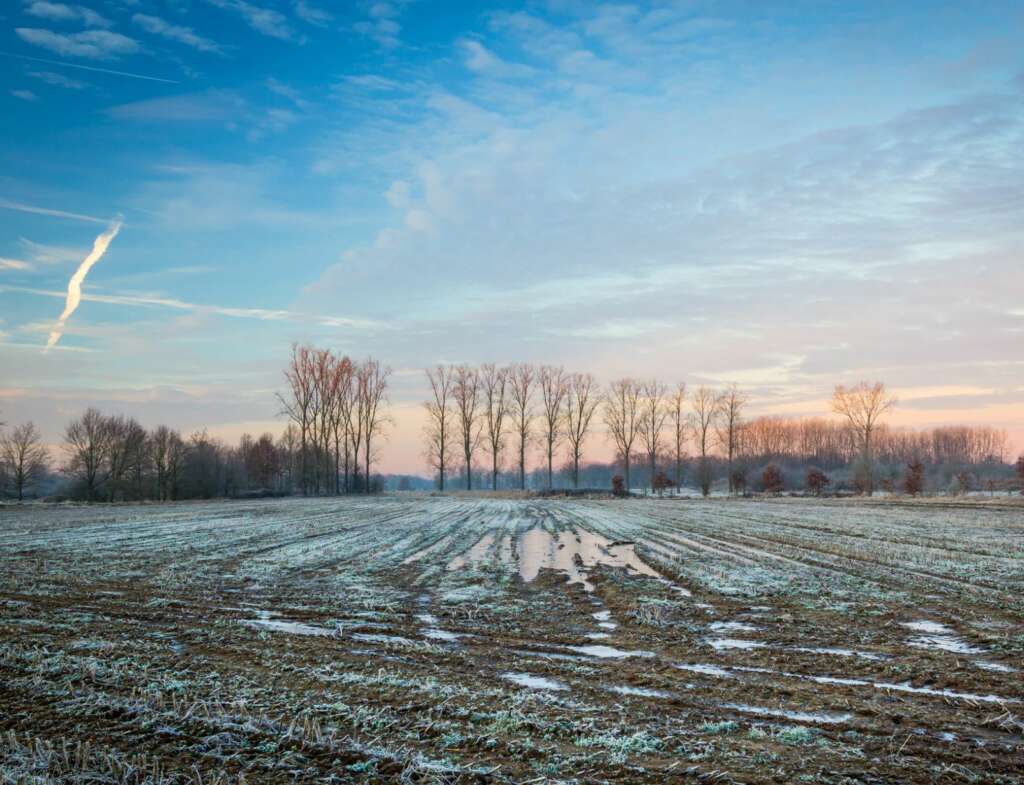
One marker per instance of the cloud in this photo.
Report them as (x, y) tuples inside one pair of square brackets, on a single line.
[(57, 79), (14, 264), (183, 35), (225, 107), (381, 26), (480, 59), (264, 20), (222, 106), (59, 12), (25, 95), (313, 16), (74, 297), (43, 253), (94, 44)]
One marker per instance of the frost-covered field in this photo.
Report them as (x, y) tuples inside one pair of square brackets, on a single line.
[(467, 639)]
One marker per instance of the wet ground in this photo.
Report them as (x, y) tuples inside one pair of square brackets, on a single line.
[(424, 639)]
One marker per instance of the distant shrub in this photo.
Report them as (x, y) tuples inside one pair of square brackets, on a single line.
[(661, 482), (739, 481), (771, 479), (704, 476), (817, 480), (913, 478), (1020, 473), (618, 485)]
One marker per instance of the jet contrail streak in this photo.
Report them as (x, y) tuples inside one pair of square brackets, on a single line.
[(99, 247), (91, 68)]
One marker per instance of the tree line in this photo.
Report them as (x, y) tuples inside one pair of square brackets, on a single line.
[(485, 423), (496, 415)]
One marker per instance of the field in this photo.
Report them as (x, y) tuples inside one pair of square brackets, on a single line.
[(468, 639)]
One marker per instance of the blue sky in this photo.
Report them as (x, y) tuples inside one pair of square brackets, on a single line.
[(786, 195)]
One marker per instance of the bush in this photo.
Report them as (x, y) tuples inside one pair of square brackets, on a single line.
[(913, 479), (739, 481), (704, 476), (618, 485), (817, 480), (771, 479)]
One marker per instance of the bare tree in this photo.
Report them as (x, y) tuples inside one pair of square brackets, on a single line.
[(553, 387), (522, 382), (581, 401), (166, 450), (87, 442), (495, 384), (25, 456), (653, 413), (705, 409), (730, 419), (125, 450), (299, 403), (371, 390), (863, 405), (679, 427), (439, 419), (622, 416), (466, 394)]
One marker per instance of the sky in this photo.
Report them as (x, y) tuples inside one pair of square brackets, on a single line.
[(784, 195)]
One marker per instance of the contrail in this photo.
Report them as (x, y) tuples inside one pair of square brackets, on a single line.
[(91, 68), (99, 247)]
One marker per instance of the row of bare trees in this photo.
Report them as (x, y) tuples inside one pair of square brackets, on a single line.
[(491, 408), (337, 408)]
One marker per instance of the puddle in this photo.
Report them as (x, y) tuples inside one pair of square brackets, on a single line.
[(291, 627), (366, 637), (572, 554), (604, 620), (609, 652), (864, 655), (639, 691), (998, 667), (732, 626), (550, 655), (475, 555), (939, 636), (796, 716), (533, 682), (720, 644), (442, 635), (707, 670), (882, 685), (426, 618), (598, 636)]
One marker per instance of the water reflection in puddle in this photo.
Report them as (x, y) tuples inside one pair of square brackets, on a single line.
[(609, 652), (533, 682), (639, 691), (572, 554), (798, 716), (938, 636), (475, 555)]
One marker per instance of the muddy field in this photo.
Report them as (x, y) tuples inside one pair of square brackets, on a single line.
[(419, 639)]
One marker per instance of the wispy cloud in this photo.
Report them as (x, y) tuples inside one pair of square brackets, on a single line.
[(14, 264), (28, 208), (183, 35), (382, 25), (264, 20), (58, 80), (313, 16), (74, 296), (25, 95), (94, 44), (59, 12)]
